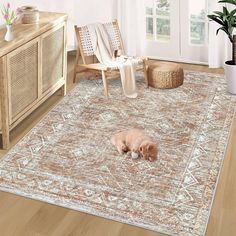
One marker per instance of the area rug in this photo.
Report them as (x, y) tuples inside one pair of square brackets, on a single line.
[(68, 160)]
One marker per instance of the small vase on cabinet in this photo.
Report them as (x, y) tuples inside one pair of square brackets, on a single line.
[(9, 35)]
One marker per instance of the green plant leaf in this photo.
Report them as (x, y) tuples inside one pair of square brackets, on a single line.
[(223, 29), (216, 19), (228, 1), (218, 13), (12, 15), (225, 11), (232, 13)]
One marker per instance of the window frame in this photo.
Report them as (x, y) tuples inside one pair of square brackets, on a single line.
[(154, 18)]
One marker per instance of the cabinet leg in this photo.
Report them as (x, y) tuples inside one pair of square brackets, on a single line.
[(63, 90), (4, 104), (5, 140)]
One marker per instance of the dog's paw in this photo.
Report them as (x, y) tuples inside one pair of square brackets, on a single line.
[(124, 149)]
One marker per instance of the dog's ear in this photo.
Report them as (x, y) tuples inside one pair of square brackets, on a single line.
[(151, 147)]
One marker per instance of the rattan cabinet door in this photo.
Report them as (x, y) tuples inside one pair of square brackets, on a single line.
[(23, 74), (53, 57), (1, 79)]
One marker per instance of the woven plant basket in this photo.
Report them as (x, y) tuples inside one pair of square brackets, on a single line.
[(165, 75), (30, 15)]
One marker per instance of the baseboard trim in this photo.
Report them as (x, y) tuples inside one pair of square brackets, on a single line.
[(179, 60)]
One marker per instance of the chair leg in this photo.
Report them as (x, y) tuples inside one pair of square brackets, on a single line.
[(74, 77), (75, 67), (105, 83), (145, 72)]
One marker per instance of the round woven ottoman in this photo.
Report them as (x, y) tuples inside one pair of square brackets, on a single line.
[(165, 75)]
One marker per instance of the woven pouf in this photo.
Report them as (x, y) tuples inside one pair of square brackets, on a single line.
[(165, 75)]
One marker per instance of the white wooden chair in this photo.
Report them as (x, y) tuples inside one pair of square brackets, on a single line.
[(90, 62)]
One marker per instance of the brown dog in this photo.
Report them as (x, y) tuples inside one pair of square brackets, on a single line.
[(136, 141)]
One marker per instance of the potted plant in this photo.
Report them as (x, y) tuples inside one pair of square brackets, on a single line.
[(227, 21), (10, 16)]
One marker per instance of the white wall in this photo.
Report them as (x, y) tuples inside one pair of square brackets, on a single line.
[(80, 12), (90, 11)]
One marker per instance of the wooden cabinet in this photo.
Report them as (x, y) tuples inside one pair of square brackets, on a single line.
[(23, 78), (53, 57), (32, 68)]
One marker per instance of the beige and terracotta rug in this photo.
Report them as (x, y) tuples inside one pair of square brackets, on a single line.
[(68, 160)]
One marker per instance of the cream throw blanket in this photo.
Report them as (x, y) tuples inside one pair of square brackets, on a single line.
[(104, 53)]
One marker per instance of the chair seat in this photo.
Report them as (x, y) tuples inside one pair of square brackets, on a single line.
[(95, 66), (100, 66)]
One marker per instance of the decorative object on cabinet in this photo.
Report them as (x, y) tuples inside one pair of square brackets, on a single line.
[(9, 35), (32, 68), (10, 16), (30, 15)]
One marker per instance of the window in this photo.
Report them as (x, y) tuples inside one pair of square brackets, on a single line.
[(158, 20), (176, 30), (197, 16)]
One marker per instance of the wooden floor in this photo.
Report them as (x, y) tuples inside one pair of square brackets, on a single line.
[(22, 216)]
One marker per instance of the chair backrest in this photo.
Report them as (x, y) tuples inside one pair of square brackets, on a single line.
[(85, 43)]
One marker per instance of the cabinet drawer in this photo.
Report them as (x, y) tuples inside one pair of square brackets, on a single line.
[(23, 74), (53, 46)]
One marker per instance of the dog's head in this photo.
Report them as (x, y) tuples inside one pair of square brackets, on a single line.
[(148, 150)]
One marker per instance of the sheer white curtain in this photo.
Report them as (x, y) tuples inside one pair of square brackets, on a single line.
[(81, 12), (220, 48), (131, 21)]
